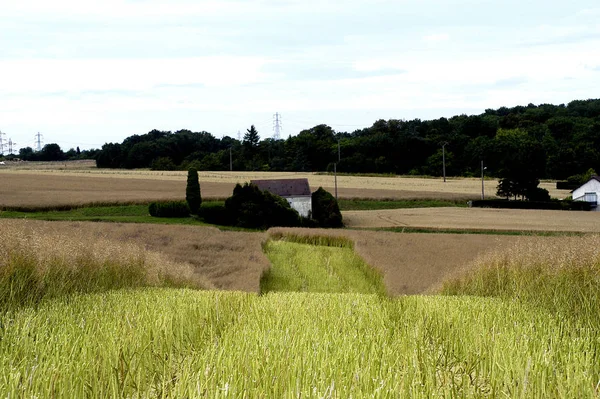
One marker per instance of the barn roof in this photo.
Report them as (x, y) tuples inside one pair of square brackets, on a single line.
[(284, 187)]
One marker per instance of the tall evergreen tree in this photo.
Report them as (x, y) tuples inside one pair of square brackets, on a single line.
[(192, 191)]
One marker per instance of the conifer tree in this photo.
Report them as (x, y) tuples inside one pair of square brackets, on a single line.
[(192, 191)]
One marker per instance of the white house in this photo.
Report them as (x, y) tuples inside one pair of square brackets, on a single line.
[(295, 191), (589, 192)]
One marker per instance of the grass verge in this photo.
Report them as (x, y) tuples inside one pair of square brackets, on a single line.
[(318, 264), (124, 213), (378, 204)]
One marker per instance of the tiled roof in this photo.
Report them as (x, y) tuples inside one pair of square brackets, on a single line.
[(284, 187)]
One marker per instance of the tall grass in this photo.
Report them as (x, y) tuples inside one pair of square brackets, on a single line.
[(184, 343), (559, 275), (38, 264)]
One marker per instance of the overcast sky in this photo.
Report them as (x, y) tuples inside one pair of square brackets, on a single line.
[(84, 73)]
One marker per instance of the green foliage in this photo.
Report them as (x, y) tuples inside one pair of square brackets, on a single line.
[(216, 213), (375, 204), (538, 194), (577, 180), (533, 142), (251, 207), (170, 209), (163, 163), (192, 191), (325, 209)]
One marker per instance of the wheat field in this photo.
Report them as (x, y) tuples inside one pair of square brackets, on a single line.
[(21, 186)]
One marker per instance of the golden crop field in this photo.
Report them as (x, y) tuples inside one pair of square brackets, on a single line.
[(41, 184), (228, 260)]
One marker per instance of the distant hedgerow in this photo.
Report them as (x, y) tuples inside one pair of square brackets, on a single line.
[(171, 209)]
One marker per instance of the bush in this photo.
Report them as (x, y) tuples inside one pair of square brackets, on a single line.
[(216, 214), (192, 191), (325, 209), (252, 208), (538, 194), (171, 209)]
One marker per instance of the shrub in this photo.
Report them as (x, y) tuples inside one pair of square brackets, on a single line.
[(252, 208), (538, 194), (170, 209), (325, 209), (192, 191), (216, 214)]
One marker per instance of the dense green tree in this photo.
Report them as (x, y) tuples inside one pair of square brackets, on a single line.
[(52, 152), (192, 191)]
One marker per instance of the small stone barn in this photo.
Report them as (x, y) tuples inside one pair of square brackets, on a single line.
[(589, 192), (295, 191)]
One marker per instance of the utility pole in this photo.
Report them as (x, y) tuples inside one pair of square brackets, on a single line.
[(38, 138), (444, 144), (339, 151), (276, 126), (482, 188), (230, 159), (335, 179)]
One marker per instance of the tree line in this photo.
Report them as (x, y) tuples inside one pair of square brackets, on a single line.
[(53, 152), (544, 141)]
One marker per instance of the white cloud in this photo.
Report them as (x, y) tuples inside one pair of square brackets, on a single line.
[(48, 75), (436, 38)]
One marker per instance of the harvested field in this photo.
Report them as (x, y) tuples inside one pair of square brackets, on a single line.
[(410, 263), (227, 260), (476, 219), (43, 190), (72, 185), (413, 263)]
